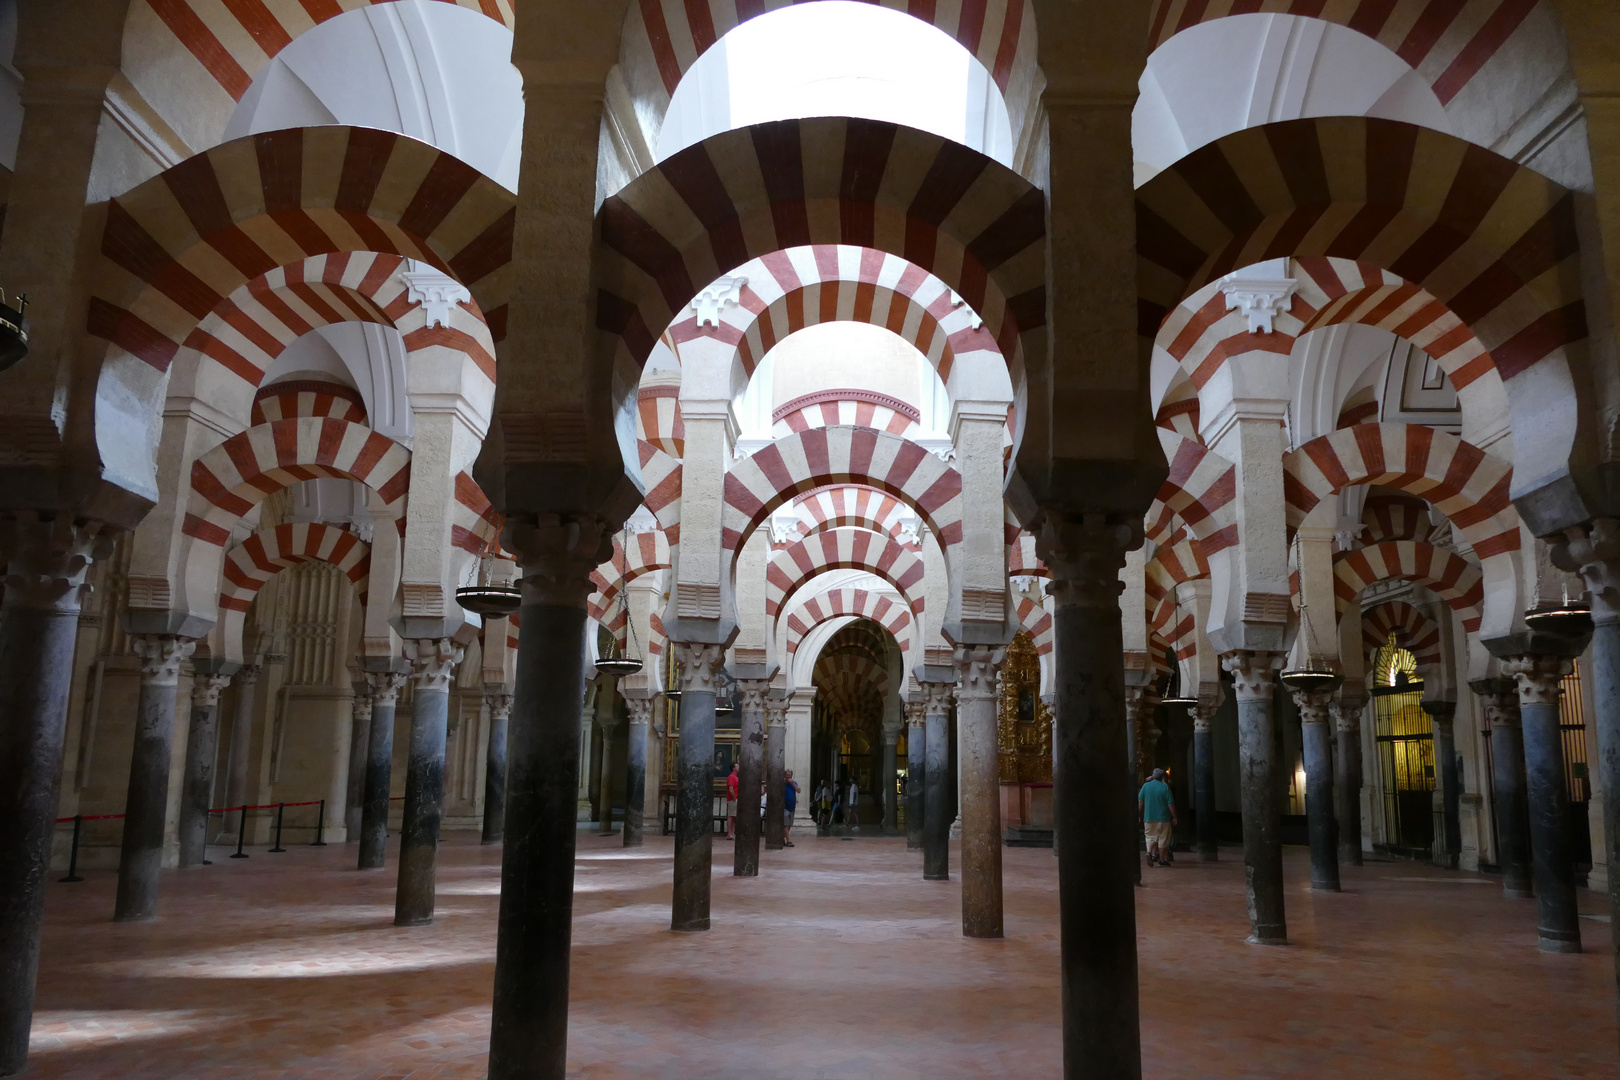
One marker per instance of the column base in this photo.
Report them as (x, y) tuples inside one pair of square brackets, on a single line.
[(1518, 894), (1325, 886), (1266, 939), (697, 926), (1558, 945), (414, 922), (1209, 855)]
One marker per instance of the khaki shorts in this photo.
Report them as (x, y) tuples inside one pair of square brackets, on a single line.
[(731, 808), (1158, 832)]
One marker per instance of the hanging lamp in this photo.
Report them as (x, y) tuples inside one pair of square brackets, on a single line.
[(1320, 672), (1179, 698), (486, 599), (1563, 618), (13, 331), (617, 665)]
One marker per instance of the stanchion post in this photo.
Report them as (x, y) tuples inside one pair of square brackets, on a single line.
[(320, 827), (241, 834), (73, 853), (281, 808)]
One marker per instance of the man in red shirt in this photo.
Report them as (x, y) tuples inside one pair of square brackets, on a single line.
[(731, 804)]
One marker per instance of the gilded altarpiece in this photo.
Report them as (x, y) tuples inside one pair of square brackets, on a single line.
[(1025, 721)]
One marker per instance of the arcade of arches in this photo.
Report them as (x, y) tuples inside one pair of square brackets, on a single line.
[(944, 414)]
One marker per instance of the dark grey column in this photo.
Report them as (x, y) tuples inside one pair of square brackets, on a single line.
[(1095, 805), (978, 746), (1204, 781), (694, 807), (889, 778), (1318, 737), (1552, 859), (433, 663), (1448, 845), (937, 809), (202, 746), (146, 804), (359, 736), (609, 723), (1135, 700), (776, 822), (1510, 806), (1347, 766), (916, 773), (529, 1026), (39, 617), (635, 771), (750, 775), (385, 687), (499, 704), (238, 753), (1253, 674)]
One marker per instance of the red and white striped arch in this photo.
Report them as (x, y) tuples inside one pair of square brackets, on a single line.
[(854, 505), (232, 40), (647, 551), (889, 612), (1448, 575), (800, 562), (659, 421), (475, 526), (1463, 482), (661, 475), (250, 565), (1394, 517), (1414, 631), (1034, 617), (236, 475), (1199, 492), (307, 397), (821, 457), (849, 407)]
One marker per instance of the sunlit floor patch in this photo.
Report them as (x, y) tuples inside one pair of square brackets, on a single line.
[(72, 1029)]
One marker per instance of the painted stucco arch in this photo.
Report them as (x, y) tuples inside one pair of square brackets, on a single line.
[(1448, 575), (1414, 631), (249, 566), (796, 565)]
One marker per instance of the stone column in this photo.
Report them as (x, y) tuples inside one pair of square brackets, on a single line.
[(202, 746), (433, 665), (776, 708), (1204, 781), (889, 779), (979, 750), (750, 774), (1552, 861), (937, 798), (608, 720), (694, 810), (1347, 786), (385, 687), (1510, 805), (1095, 805), (236, 756), (635, 770), (499, 703), (1135, 695), (1253, 673), (1448, 845), (359, 737), (529, 1025), (147, 803), (47, 562), (1318, 738), (916, 772)]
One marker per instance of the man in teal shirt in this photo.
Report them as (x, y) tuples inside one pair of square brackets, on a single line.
[(1156, 809)]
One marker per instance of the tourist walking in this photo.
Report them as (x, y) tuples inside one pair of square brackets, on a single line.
[(731, 804), (823, 807), (790, 803), (851, 812), (1156, 810)]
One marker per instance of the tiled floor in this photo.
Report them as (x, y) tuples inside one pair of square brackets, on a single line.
[(838, 962)]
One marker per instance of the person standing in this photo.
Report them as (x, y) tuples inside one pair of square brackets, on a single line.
[(731, 803), (823, 804), (790, 802), (1156, 810), (852, 816)]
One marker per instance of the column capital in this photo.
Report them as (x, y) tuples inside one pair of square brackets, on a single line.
[(976, 671), (433, 662), (914, 713), (250, 672), (640, 709), (1203, 717), (161, 656), (1500, 700), (700, 665), (500, 704), (1085, 553), (1538, 676), (1441, 712), (1594, 548), (361, 703), (1313, 705), (205, 689), (558, 553), (936, 697), (776, 710), (1253, 672), (1347, 713), (751, 694), (48, 560), (385, 686)]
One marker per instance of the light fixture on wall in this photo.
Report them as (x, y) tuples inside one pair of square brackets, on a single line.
[(1320, 672), (13, 331), (617, 665), (1564, 618)]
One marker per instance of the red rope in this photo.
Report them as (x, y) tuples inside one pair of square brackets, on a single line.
[(219, 810)]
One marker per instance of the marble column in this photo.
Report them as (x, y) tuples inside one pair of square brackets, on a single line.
[(776, 823), (47, 562), (433, 665), (1095, 805), (1347, 785), (1204, 781), (979, 750), (608, 720), (385, 687), (1136, 700), (202, 746), (750, 775), (1253, 674), (237, 754), (1552, 858), (1318, 739), (1510, 805), (889, 779), (694, 809), (1448, 845), (359, 736), (916, 773), (529, 1023), (635, 770), (146, 805), (499, 703), (937, 812)]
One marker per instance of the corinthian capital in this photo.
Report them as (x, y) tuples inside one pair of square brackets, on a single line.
[(1253, 672), (1539, 676), (1313, 705), (161, 656), (936, 698), (751, 695), (385, 686), (205, 689), (433, 663), (700, 665), (47, 560), (1594, 549), (976, 671), (640, 709), (557, 554), (1085, 554)]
